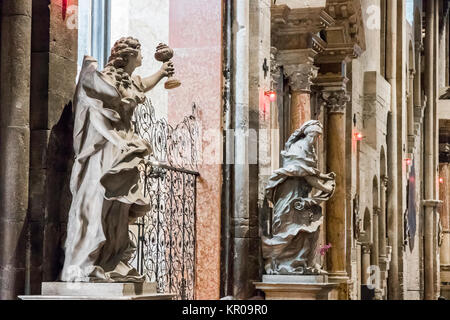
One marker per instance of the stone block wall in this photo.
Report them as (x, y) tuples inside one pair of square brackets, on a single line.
[(53, 69), (14, 145)]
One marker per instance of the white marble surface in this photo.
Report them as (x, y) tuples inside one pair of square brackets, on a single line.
[(295, 279), (156, 296), (97, 289)]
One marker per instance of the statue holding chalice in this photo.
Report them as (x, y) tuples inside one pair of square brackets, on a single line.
[(164, 53), (110, 158)]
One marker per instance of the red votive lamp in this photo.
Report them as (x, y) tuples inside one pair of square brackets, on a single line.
[(64, 9), (358, 136), (272, 95)]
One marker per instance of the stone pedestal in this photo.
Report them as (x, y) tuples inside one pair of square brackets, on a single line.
[(99, 291), (292, 287)]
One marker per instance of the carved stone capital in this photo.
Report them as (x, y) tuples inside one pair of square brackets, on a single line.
[(365, 248), (384, 181), (300, 76), (419, 46), (335, 101), (444, 152), (376, 210)]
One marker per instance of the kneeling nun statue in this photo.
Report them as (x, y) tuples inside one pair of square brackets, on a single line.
[(291, 247)]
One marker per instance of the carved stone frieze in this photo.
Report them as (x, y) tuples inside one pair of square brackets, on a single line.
[(346, 37), (287, 21)]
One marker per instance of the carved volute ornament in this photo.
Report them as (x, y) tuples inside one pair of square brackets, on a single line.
[(297, 215), (366, 248), (300, 76), (335, 101), (106, 182)]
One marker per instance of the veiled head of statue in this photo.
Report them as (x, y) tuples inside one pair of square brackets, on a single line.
[(126, 50), (312, 126)]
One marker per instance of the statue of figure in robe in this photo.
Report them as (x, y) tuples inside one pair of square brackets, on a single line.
[(291, 247), (106, 182)]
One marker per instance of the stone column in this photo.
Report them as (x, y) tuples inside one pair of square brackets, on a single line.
[(14, 144), (365, 263), (249, 82), (382, 218), (410, 115), (428, 153), (300, 76), (376, 244), (393, 213), (335, 101)]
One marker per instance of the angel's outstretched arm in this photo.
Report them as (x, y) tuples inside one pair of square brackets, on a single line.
[(151, 81)]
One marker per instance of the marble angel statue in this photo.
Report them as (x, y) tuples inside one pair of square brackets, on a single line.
[(105, 182), (291, 247)]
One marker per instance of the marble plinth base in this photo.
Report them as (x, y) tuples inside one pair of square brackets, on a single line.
[(308, 287), (99, 291), (295, 279)]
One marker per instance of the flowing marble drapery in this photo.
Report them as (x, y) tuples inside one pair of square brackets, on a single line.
[(292, 246), (105, 183)]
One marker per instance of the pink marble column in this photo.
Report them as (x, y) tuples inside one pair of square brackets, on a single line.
[(444, 211), (300, 76), (195, 34)]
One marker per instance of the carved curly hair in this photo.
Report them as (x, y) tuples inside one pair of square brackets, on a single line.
[(121, 51)]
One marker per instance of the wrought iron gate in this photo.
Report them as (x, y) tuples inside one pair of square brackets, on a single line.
[(165, 236)]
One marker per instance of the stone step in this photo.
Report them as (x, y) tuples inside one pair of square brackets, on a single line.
[(97, 289), (155, 296)]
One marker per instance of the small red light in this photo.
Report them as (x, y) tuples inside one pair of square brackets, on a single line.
[(441, 180), (358, 136), (272, 95), (64, 9), (408, 161)]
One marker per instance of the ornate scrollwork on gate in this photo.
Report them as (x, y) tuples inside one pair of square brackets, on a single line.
[(166, 234), (176, 146)]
